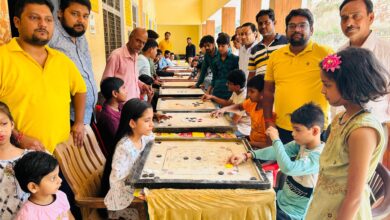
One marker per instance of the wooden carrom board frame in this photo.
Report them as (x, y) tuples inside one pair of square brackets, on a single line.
[(178, 84), (177, 79), (196, 92), (172, 128), (153, 182), (160, 106)]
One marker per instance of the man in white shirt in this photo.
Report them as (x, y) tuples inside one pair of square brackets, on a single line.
[(357, 17), (149, 52), (248, 33)]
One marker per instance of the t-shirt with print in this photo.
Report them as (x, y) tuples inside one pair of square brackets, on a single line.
[(57, 210), (244, 124)]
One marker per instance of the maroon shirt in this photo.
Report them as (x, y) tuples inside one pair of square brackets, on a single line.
[(107, 124)]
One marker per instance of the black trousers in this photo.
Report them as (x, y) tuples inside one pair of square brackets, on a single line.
[(285, 135)]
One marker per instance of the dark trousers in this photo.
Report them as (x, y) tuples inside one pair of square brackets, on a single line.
[(285, 135), (280, 215)]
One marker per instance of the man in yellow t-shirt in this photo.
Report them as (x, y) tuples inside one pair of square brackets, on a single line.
[(166, 44), (292, 77), (38, 83)]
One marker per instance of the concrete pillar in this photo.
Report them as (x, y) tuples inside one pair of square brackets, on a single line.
[(5, 28), (282, 8), (229, 20), (249, 10), (210, 27)]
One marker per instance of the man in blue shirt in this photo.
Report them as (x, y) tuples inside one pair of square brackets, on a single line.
[(68, 37), (165, 62)]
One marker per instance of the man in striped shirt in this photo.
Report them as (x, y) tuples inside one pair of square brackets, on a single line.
[(271, 42)]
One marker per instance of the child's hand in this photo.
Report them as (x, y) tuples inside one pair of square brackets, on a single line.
[(217, 113), (272, 133), (236, 159)]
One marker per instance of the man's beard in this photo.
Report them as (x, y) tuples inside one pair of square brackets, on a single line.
[(71, 31), (302, 41), (34, 40)]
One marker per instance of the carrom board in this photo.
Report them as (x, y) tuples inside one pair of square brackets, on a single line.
[(184, 92), (182, 84), (176, 79), (194, 121), (197, 164), (184, 105)]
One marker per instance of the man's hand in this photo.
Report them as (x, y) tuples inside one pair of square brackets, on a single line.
[(270, 124), (146, 89), (77, 131), (272, 133), (27, 142), (206, 97)]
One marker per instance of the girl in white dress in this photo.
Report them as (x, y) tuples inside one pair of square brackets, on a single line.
[(134, 132)]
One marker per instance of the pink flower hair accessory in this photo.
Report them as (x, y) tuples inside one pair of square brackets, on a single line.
[(331, 63)]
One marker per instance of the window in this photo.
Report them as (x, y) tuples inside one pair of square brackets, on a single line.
[(112, 25)]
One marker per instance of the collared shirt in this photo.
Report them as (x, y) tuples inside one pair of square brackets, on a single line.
[(39, 97), (221, 69), (244, 55), (297, 80), (165, 45), (78, 52), (152, 67), (190, 50), (143, 65), (164, 62), (381, 49), (123, 65), (260, 54), (206, 63)]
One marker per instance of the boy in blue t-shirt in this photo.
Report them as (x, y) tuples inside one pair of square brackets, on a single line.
[(302, 173)]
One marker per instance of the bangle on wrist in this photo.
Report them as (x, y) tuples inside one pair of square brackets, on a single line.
[(268, 120)]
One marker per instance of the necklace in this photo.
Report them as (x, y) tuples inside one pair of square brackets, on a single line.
[(349, 119)]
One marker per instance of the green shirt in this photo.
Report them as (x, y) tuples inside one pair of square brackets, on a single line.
[(220, 70), (205, 65)]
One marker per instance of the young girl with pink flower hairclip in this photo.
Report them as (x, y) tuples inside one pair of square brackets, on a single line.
[(350, 78)]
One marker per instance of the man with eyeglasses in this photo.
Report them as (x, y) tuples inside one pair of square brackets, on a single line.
[(248, 36), (271, 42), (292, 77), (69, 38)]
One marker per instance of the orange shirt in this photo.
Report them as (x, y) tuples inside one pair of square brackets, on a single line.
[(257, 121)]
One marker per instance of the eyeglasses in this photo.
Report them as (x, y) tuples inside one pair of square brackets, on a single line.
[(261, 23), (301, 26)]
